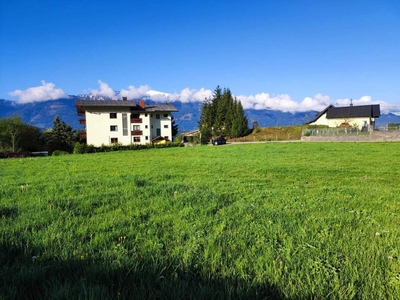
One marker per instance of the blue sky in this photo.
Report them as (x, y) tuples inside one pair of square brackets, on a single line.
[(289, 55)]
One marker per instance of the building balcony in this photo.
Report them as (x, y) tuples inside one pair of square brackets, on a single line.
[(136, 120), (80, 110), (136, 132), (82, 135), (82, 121)]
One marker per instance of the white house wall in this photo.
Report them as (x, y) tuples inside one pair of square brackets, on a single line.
[(322, 120), (98, 123), (354, 122)]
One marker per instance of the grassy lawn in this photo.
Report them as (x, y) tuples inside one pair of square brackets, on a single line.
[(265, 221)]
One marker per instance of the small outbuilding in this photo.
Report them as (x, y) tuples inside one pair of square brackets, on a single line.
[(160, 140)]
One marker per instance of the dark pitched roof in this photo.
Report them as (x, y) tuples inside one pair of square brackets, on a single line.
[(372, 111), (126, 103), (321, 113), (164, 107), (333, 112)]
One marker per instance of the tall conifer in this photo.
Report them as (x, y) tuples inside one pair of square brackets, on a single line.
[(222, 115)]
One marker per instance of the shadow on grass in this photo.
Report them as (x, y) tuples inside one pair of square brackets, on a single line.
[(28, 277)]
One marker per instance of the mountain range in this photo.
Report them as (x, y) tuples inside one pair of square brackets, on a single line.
[(41, 114)]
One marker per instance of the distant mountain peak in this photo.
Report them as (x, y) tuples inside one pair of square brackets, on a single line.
[(93, 97)]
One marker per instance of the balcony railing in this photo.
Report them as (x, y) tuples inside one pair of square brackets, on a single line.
[(136, 132), (82, 121), (136, 120)]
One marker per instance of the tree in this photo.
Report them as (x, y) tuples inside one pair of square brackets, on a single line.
[(31, 139), (174, 126), (60, 137), (17, 136), (222, 115), (10, 129)]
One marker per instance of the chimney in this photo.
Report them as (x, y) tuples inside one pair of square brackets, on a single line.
[(125, 98), (141, 103)]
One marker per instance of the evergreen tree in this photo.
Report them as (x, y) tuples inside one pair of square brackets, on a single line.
[(206, 121), (243, 121), (236, 123), (60, 137), (222, 115), (174, 126)]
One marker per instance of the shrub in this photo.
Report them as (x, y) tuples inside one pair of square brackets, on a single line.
[(59, 153), (83, 148), (79, 148)]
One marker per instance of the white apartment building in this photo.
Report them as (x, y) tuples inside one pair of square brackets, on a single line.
[(122, 121)]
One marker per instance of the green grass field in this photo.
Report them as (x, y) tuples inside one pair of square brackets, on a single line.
[(264, 221)]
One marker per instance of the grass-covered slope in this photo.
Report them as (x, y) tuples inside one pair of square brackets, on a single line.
[(265, 221)]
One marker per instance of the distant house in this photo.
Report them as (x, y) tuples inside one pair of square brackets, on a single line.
[(160, 140), (124, 122), (362, 116)]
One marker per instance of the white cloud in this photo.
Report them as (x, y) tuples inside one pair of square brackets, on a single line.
[(135, 93), (104, 91), (367, 100), (44, 92), (283, 102), (259, 101), (185, 96), (191, 95)]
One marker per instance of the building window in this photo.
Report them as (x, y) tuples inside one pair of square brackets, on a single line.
[(135, 116), (147, 138), (125, 124), (157, 116), (113, 115), (165, 115), (158, 131), (165, 126), (114, 140), (145, 115), (136, 127), (136, 139), (146, 126), (151, 126), (113, 128)]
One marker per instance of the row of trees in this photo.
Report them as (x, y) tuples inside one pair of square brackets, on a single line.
[(16, 136), (223, 115)]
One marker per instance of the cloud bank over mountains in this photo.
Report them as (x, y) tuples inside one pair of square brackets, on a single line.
[(44, 92), (48, 91)]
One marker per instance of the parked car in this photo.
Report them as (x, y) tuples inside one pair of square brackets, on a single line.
[(219, 141)]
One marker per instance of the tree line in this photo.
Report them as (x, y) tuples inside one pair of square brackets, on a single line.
[(17, 136), (223, 115)]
